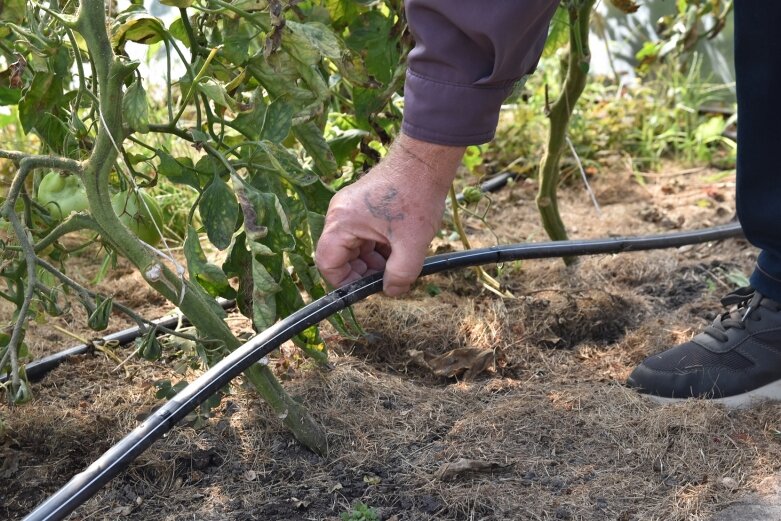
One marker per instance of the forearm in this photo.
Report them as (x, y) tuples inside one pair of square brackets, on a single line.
[(467, 58)]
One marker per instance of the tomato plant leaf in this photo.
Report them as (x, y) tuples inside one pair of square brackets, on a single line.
[(136, 27), (208, 275), (219, 212), (177, 172), (135, 107), (98, 320)]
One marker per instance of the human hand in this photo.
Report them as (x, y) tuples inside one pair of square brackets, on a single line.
[(386, 220)]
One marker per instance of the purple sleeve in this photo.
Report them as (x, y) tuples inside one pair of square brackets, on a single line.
[(467, 57)]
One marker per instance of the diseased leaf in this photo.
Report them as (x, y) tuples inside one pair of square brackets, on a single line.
[(216, 92), (177, 172), (208, 275), (137, 27), (370, 36), (265, 221), (311, 137), (219, 212), (264, 304), (271, 158), (277, 121)]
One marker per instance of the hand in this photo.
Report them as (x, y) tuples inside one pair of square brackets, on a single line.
[(386, 220)]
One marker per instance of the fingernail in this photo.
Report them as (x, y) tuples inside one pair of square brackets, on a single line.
[(395, 291)]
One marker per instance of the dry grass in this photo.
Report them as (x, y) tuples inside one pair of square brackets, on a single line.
[(569, 441)]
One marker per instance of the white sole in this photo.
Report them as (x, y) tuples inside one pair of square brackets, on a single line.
[(767, 393)]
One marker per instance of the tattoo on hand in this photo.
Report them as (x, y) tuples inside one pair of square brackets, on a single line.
[(382, 208)]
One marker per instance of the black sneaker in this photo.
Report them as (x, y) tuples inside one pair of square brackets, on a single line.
[(735, 361)]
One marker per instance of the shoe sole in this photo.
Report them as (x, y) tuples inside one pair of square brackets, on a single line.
[(767, 393)]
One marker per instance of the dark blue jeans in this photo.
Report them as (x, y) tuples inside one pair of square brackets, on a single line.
[(758, 67)]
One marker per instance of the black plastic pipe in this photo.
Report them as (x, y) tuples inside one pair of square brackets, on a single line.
[(84, 485), (37, 369)]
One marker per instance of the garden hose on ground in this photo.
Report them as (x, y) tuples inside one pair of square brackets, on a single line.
[(37, 369), (84, 485)]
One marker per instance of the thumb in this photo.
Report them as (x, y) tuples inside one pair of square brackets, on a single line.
[(402, 268)]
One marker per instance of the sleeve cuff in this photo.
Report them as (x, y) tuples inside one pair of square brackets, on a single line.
[(449, 113)]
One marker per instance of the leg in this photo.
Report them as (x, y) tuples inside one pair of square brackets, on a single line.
[(757, 55), (738, 359)]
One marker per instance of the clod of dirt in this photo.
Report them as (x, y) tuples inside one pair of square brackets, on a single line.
[(470, 361), (450, 471)]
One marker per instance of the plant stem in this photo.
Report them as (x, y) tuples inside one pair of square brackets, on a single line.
[(110, 74), (560, 113)]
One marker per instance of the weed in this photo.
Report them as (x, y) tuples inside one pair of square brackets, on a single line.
[(360, 512)]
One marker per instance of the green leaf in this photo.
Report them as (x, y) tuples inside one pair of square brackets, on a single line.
[(219, 212), (345, 145), (9, 96), (216, 92), (558, 34), (13, 11), (98, 320), (148, 346), (370, 36), (311, 137), (135, 107), (176, 172), (178, 31), (208, 275)]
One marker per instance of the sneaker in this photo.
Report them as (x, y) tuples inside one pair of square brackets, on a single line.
[(735, 361)]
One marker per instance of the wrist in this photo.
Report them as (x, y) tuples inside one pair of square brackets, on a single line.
[(437, 163)]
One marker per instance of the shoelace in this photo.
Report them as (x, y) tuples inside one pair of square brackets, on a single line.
[(747, 301)]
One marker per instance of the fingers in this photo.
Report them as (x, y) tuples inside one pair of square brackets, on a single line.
[(333, 256), (402, 269)]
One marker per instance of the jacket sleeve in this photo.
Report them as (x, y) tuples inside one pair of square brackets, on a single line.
[(468, 55)]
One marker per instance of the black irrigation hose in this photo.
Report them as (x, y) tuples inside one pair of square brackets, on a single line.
[(82, 486), (37, 369)]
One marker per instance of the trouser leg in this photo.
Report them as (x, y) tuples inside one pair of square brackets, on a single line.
[(758, 66)]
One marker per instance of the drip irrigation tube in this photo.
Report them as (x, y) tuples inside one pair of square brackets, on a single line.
[(82, 486), (38, 368)]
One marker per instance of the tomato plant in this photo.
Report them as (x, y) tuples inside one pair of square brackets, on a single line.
[(258, 107)]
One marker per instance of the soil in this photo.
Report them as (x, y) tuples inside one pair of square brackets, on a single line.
[(544, 424)]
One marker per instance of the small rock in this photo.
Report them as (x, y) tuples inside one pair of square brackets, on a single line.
[(729, 483), (563, 513)]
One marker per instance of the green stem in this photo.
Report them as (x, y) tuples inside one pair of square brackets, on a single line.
[(560, 113), (110, 74)]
